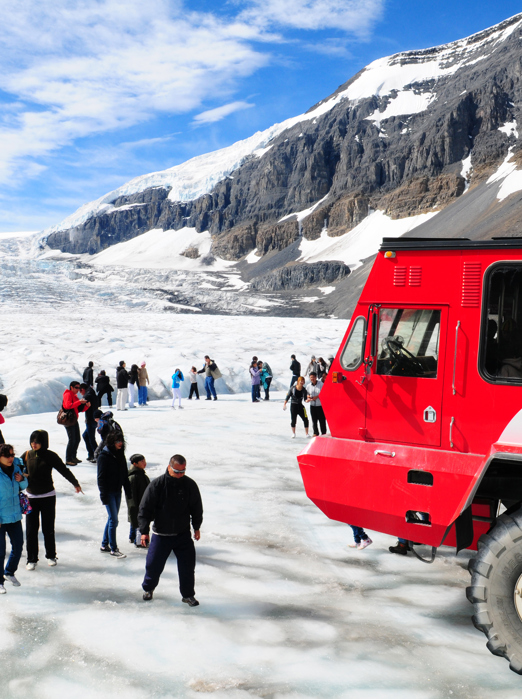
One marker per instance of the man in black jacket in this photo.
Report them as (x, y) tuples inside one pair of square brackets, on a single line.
[(89, 436), (295, 368), (172, 501)]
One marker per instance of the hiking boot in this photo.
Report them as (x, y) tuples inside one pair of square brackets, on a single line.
[(147, 595), (105, 549), (118, 554), (364, 543), (71, 463), (400, 548), (191, 601), (52, 561), (30, 566), (208, 398), (12, 579), (78, 461), (215, 398)]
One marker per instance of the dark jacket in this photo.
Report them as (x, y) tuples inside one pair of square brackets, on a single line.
[(92, 398), (88, 375), (112, 474), (139, 481), (122, 377), (171, 503), (295, 368), (39, 465), (103, 383), (133, 374), (296, 397)]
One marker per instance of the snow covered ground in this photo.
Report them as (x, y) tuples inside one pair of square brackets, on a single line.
[(287, 610)]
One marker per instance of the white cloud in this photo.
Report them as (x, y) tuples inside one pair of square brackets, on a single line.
[(212, 115), (76, 68), (352, 16)]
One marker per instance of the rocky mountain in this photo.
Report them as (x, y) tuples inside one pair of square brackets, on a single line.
[(410, 135)]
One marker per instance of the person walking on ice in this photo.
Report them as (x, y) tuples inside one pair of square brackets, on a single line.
[(296, 395), (173, 501)]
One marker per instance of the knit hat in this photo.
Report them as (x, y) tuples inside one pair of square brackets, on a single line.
[(142, 364)]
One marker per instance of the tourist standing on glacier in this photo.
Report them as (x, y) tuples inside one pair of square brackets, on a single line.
[(296, 395), (122, 383), (312, 366), (3, 404), (295, 368), (70, 401), (316, 409), (112, 477), (193, 376), (133, 384), (143, 379), (266, 377), (89, 435), (39, 462), (12, 482), (173, 502), (255, 378), (138, 481), (211, 372), (177, 378), (103, 386), (88, 374)]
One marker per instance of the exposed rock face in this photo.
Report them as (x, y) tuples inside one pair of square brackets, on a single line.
[(300, 276), (360, 155)]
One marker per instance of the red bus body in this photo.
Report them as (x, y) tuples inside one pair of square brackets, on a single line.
[(404, 444)]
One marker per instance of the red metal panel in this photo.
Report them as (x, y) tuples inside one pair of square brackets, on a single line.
[(399, 275), (352, 483), (415, 275)]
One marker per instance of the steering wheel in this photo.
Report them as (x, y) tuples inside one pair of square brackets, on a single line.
[(402, 357)]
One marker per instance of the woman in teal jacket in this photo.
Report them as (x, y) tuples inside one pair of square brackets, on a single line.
[(12, 482), (177, 378)]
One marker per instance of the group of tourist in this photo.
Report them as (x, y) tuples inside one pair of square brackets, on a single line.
[(130, 384)]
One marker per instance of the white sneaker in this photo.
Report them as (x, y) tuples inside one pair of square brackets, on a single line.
[(12, 579), (118, 554), (30, 566), (52, 561), (308, 436), (181, 408), (2, 589), (364, 543), (293, 436)]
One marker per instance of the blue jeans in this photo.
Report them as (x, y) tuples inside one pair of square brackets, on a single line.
[(256, 392), (142, 395), (358, 534), (113, 507), (16, 536), (209, 387), (294, 379), (89, 437)]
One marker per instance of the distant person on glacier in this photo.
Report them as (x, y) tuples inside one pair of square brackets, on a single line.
[(103, 386), (177, 378), (133, 384), (295, 368), (70, 401), (211, 372), (266, 377), (122, 383), (193, 376), (143, 379), (3, 404), (173, 502), (88, 374)]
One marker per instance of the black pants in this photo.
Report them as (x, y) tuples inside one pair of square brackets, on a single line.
[(109, 396), (73, 433), (89, 437), (159, 550), (317, 414), (298, 409), (193, 389), (46, 509), (268, 381)]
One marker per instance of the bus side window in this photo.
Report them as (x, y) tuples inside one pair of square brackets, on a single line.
[(353, 352), (501, 336)]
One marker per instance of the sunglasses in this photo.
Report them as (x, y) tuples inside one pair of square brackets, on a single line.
[(178, 471)]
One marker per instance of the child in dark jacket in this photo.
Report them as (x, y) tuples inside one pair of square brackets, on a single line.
[(139, 482)]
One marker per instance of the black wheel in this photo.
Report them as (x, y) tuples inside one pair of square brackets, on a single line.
[(496, 588)]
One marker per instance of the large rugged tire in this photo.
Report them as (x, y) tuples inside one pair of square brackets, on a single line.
[(494, 574)]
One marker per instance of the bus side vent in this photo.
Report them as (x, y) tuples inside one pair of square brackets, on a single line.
[(399, 276), (415, 276), (471, 282), (414, 517), (420, 477)]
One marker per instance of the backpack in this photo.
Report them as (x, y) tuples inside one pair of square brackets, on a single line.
[(107, 424)]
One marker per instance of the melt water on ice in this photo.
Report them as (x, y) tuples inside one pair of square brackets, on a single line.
[(287, 610)]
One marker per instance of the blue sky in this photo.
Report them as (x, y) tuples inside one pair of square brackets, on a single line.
[(96, 92)]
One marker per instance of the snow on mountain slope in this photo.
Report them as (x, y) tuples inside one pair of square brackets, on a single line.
[(390, 77)]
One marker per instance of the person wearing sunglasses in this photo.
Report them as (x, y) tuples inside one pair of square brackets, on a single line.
[(173, 501), (12, 482)]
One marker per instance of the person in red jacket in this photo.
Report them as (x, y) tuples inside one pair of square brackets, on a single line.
[(71, 401)]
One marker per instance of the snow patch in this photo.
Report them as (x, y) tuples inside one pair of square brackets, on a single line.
[(252, 257), (510, 128), (406, 102), (305, 212)]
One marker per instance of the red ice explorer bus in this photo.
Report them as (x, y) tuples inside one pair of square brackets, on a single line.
[(424, 404)]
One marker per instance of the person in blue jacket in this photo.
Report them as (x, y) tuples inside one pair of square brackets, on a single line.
[(177, 378), (12, 482)]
